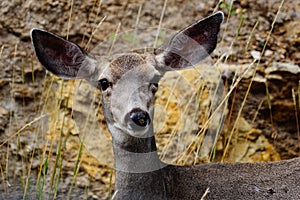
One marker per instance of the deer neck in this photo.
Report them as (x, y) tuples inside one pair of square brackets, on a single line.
[(138, 167), (136, 154)]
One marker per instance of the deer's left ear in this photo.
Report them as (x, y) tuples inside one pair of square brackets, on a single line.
[(61, 57), (191, 45)]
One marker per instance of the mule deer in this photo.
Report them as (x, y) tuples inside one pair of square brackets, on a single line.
[(128, 83)]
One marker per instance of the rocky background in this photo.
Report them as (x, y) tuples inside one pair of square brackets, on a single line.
[(44, 154)]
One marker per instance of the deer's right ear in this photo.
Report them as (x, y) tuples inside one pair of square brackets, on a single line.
[(61, 57)]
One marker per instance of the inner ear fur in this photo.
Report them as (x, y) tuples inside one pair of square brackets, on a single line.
[(61, 57), (191, 45)]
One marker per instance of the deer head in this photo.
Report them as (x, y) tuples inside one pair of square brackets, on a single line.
[(128, 81)]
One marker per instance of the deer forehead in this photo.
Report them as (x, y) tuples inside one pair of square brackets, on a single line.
[(139, 65)]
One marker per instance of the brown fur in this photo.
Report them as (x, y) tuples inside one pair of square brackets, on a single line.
[(123, 63)]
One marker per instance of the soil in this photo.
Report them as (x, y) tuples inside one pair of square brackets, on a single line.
[(34, 105)]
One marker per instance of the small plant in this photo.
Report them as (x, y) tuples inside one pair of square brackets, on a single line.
[(227, 7)]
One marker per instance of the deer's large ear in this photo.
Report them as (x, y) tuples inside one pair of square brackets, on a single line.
[(61, 57), (191, 45)]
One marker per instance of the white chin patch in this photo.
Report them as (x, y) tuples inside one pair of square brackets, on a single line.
[(141, 133)]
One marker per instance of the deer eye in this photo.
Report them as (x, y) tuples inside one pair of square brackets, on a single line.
[(153, 87), (104, 84), (154, 83)]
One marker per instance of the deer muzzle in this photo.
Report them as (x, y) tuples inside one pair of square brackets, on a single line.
[(138, 119)]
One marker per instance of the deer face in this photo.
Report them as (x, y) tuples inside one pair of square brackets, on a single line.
[(129, 81), (128, 86)]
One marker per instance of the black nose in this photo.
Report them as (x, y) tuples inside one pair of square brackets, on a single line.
[(139, 117)]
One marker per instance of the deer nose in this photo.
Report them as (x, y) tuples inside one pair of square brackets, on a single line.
[(139, 117)]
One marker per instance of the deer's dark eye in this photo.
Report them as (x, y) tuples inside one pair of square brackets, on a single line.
[(104, 84), (154, 83), (154, 87)]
